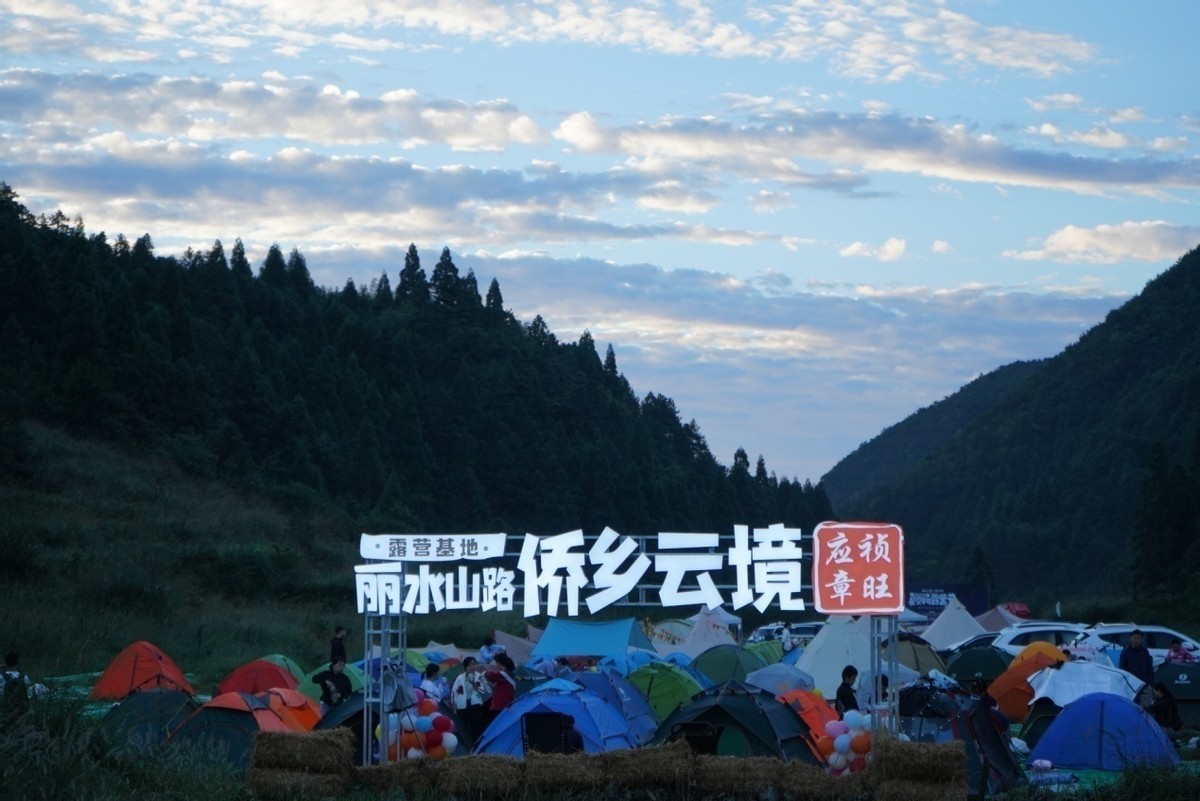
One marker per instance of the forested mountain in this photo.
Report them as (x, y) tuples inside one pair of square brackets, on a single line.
[(412, 403), (1054, 480), (902, 446)]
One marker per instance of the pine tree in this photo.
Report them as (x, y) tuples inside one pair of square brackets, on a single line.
[(445, 282), (413, 287), (494, 301)]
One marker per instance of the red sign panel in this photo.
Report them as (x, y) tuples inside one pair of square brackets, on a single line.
[(858, 569)]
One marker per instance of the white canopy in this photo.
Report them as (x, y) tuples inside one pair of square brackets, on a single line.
[(841, 642)]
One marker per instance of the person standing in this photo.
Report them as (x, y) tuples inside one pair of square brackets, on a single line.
[(846, 699), (470, 694), (504, 687), (488, 651), (1136, 659), (430, 684), (337, 645)]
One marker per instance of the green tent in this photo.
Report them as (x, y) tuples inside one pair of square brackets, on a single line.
[(667, 687), (734, 719), (984, 664), (724, 662), (307, 686), (287, 663), (769, 651)]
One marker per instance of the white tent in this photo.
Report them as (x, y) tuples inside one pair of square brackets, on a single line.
[(997, 618), (952, 626), (842, 642), (728, 618), (707, 630), (667, 634), (1070, 681)]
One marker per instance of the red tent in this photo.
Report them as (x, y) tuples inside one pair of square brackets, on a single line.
[(257, 676), (141, 666)]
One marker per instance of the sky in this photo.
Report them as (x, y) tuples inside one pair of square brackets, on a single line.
[(803, 221)]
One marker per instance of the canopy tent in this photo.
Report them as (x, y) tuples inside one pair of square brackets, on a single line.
[(256, 676), (779, 679), (1002, 616), (578, 638), (841, 642), (954, 625), (738, 720), (598, 723), (910, 617), (724, 662), (533, 633), (707, 629), (146, 718), (666, 687), (140, 666), (519, 650), (1066, 682), (978, 664), (1105, 732)]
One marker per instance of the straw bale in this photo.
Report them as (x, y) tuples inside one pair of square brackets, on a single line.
[(563, 772), (921, 762), (800, 781), (667, 765), (410, 775), (487, 774), (729, 775), (327, 751), (907, 790), (269, 783)]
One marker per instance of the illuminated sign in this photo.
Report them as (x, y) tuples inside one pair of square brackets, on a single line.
[(858, 569)]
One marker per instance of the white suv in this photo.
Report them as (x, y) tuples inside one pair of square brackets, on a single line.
[(1014, 638), (1111, 638)]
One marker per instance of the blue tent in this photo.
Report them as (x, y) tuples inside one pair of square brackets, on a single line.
[(598, 722), (628, 662), (576, 638), (627, 699), (678, 658), (792, 656), (1101, 731)]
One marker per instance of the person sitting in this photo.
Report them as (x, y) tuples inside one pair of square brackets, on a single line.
[(334, 684), (1164, 709), (1177, 653), (562, 667)]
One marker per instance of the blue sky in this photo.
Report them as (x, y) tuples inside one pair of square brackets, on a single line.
[(801, 220)]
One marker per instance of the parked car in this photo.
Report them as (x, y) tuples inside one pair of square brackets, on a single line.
[(1110, 638), (801, 632), (1014, 638)]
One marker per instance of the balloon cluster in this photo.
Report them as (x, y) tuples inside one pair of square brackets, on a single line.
[(846, 745), (419, 732)]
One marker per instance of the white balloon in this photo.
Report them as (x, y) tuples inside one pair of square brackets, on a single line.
[(837, 760), (450, 741), (415, 753)]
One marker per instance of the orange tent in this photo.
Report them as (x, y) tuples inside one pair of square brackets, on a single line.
[(294, 708), (257, 676), (1011, 688), (815, 711), (141, 666), (259, 706), (1044, 648)]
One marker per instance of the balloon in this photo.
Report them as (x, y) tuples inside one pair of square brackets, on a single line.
[(817, 692), (841, 743), (394, 753), (449, 741), (407, 722), (853, 719), (842, 728), (860, 744), (415, 753), (423, 725), (408, 740), (858, 764), (825, 745), (437, 752), (838, 761), (443, 723), (833, 728), (426, 707), (434, 738), (378, 731), (866, 722), (419, 694)]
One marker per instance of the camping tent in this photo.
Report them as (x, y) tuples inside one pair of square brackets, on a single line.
[(624, 697), (225, 727), (256, 676), (841, 642), (1011, 688), (597, 722), (579, 638), (1105, 732), (915, 652), (666, 687), (779, 679), (724, 662), (978, 664), (629, 661), (309, 687), (815, 711), (140, 666), (287, 663), (146, 718), (769, 651), (1002, 616), (738, 720), (952, 626), (707, 629), (1066, 682)]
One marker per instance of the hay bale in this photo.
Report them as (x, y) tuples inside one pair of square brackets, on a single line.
[(270, 783), (328, 751), (800, 781), (893, 759), (487, 774), (907, 790), (660, 766), (728, 775), (568, 772), (413, 776)]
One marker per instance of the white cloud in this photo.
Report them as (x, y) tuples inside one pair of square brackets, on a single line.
[(940, 246), (890, 250), (1145, 241)]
